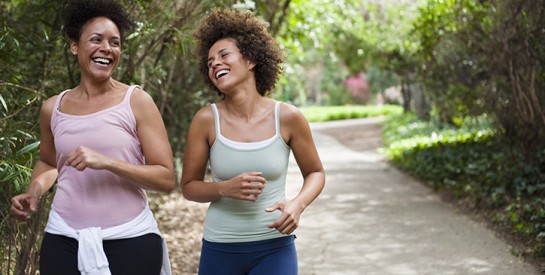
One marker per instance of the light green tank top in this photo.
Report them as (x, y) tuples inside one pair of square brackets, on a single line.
[(231, 220)]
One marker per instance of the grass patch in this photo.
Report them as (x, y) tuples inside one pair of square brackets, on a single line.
[(328, 113)]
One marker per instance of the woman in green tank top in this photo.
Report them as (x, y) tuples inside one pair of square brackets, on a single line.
[(247, 138)]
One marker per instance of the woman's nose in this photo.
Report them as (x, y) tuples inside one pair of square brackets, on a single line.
[(215, 63), (106, 47)]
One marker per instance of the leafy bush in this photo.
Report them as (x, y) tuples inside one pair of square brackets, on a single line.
[(18, 152)]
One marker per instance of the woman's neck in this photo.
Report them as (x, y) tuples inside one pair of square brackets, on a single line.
[(246, 107), (91, 89)]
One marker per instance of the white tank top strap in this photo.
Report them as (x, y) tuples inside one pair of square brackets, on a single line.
[(277, 118), (216, 119)]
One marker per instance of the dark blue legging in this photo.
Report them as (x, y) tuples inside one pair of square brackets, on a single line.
[(269, 257), (141, 255)]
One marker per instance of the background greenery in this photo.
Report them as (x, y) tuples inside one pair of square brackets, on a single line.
[(471, 74)]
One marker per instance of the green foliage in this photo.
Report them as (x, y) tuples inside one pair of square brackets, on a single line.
[(157, 56), (26, 47), (486, 57), (314, 36), (14, 178), (472, 160), (451, 72), (332, 84), (291, 87), (328, 113), (385, 33), (18, 153)]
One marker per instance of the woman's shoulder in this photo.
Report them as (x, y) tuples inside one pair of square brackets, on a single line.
[(137, 92), (49, 104), (289, 112), (202, 124), (52, 99), (204, 114), (140, 99)]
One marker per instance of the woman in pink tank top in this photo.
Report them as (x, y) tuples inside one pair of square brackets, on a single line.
[(105, 144)]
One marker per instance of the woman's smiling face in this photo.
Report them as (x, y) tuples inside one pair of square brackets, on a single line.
[(98, 49), (226, 65)]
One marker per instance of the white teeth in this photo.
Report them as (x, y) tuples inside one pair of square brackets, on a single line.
[(221, 73), (102, 60)]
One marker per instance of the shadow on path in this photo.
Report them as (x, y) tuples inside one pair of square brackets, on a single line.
[(373, 219)]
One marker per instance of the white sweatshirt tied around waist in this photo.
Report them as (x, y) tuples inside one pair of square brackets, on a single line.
[(91, 257)]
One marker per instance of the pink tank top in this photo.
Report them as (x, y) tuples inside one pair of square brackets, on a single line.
[(97, 198)]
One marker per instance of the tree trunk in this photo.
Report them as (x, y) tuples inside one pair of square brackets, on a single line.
[(421, 105), (406, 93)]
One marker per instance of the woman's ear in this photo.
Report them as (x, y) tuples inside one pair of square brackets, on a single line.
[(251, 65), (73, 47)]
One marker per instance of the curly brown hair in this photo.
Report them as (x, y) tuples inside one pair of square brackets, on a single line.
[(252, 38), (79, 12)]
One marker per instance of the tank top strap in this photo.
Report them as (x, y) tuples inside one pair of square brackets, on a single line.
[(59, 98), (56, 108), (128, 94), (277, 117), (216, 119)]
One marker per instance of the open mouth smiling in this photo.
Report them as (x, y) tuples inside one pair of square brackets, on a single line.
[(221, 73), (102, 61)]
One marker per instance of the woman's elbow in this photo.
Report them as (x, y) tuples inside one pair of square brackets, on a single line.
[(169, 182), (186, 193), (191, 194), (170, 186)]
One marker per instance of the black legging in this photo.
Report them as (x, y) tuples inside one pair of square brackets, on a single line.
[(141, 255)]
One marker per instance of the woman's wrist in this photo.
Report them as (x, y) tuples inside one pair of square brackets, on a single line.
[(35, 189)]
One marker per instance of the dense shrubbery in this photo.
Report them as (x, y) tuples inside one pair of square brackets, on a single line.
[(472, 161)]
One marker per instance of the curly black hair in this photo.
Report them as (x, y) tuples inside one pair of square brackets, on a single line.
[(79, 12), (252, 38)]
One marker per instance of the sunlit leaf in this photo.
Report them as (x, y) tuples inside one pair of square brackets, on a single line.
[(31, 147), (4, 105)]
